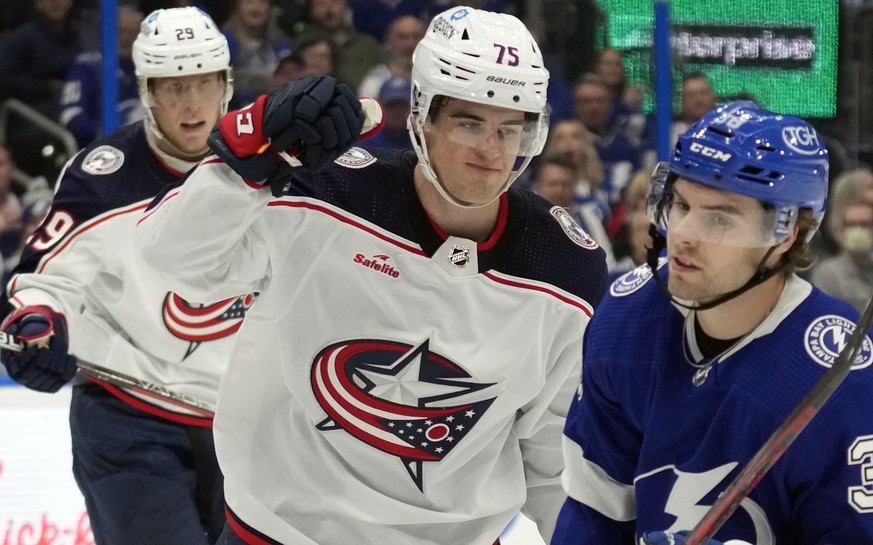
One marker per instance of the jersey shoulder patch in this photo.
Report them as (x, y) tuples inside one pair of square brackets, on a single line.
[(827, 335), (103, 160), (573, 230), (355, 158), (633, 280)]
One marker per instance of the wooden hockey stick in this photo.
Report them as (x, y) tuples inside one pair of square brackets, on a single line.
[(126, 382), (775, 446)]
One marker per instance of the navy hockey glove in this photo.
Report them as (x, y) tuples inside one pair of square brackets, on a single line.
[(669, 538), (44, 365), (315, 119)]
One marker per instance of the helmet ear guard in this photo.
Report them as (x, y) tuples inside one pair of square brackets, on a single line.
[(483, 57)]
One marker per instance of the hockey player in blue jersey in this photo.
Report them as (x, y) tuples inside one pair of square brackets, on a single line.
[(692, 362), (147, 469), (404, 376)]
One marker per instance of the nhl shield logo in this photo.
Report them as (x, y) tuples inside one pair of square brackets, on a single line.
[(103, 160), (826, 337), (459, 257)]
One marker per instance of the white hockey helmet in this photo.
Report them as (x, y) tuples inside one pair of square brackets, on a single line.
[(484, 57), (180, 42)]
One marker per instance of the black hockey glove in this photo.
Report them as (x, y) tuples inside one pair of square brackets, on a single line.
[(45, 365), (315, 119)]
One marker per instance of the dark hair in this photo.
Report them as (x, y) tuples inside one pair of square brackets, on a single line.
[(799, 257)]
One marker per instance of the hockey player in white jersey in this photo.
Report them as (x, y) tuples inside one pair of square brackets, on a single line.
[(405, 372), (692, 363), (147, 469)]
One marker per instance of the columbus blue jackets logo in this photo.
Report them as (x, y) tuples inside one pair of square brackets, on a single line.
[(572, 229), (197, 324), (401, 399), (827, 336), (633, 280), (103, 160), (355, 158)]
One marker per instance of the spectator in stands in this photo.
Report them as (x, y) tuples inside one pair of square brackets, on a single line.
[(81, 99), (395, 96), (256, 45), (356, 52), (849, 274), (315, 56), (35, 204), (632, 237), (403, 35), (610, 67), (556, 180), (34, 59), (620, 154), (697, 99), (10, 208), (320, 56)]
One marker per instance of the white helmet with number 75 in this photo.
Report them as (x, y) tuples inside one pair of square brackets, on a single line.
[(483, 57)]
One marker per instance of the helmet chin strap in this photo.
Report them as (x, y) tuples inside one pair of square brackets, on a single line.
[(762, 273)]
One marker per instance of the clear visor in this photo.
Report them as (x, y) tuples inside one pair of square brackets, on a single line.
[(516, 138), (746, 225), (173, 93)]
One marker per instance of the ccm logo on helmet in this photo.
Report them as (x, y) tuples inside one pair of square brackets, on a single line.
[(801, 139), (707, 151), (506, 81)]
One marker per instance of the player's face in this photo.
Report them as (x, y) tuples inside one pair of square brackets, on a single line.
[(703, 266), (472, 148), (186, 108)]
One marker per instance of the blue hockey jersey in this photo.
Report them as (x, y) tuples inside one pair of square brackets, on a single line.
[(647, 450)]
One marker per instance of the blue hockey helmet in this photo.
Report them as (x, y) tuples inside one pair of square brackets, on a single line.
[(779, 160)]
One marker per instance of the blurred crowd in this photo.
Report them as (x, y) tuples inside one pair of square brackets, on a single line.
[(596, 163)]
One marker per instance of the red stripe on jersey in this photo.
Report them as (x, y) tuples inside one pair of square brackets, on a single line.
[(246, 532), (153, 410), (580, 304), (502, 218), (86, 227), (347, 220)]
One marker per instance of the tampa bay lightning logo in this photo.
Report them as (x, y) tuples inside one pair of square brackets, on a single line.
[(827, 336), (633, 280), (460, 14), (401, 399)]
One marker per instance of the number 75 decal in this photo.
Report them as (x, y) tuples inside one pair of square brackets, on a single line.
[(507, 55)]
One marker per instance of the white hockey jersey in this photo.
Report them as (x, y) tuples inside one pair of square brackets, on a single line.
[(391, 384), (82, 262)]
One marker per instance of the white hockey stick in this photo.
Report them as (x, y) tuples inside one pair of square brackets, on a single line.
[(126, 382), (772, 450)]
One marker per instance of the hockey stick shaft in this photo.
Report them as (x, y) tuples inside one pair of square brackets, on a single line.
[(772, 450), (125, 382)]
